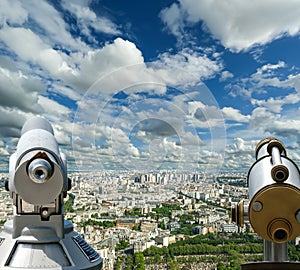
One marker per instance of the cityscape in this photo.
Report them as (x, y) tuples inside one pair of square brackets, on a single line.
[(157, 107), (124, 212)]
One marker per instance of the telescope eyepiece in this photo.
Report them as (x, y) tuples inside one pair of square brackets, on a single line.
[(40, 170), (280, 230), (280, 173)]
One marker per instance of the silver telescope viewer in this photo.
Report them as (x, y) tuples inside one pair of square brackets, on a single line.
[(274, 203), (38, 237)]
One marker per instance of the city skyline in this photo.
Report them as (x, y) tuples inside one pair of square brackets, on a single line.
[(167, 85)]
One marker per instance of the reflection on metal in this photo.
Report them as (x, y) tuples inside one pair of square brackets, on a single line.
[(38, 237), (273, 210)]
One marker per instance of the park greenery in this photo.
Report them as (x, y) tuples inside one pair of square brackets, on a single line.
[(122, 245), (225, 251), (69, 203), (131, 262)]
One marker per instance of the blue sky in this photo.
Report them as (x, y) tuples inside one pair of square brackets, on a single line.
[(185, 85)]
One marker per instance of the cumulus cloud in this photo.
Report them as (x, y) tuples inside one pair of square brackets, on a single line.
[(196, 66), (284, 128), (234, 115), (261, 118), (157, 127), (205, 116), (276, 104), (116, 109), (48, 23), (225, 75), (237, 24), (240, 154), (11, 122), (29, 47), (55, 111), (14, 85), (283, 89), (97, 63)]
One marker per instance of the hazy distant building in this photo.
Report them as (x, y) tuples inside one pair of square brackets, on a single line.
[(140, 246), (200, 230), (229, 228), (125, 223), (173, 226), (148, 226), (162, 240)]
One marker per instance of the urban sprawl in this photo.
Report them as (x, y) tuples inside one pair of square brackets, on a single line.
[(114, 208)]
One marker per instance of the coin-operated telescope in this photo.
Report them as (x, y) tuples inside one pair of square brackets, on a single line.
[(274, 207), (38, 237)]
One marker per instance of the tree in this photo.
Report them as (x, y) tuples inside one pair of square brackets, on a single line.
[(139, 261), (173, 265), (162, 225), (122, 245)]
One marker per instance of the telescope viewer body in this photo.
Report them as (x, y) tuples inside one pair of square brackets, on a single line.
[(274, 193), (38, 237), (274, 209)]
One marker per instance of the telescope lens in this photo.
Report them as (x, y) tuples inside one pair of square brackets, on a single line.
[(39, 170), (39, 174), (280, 235), (280, 175)]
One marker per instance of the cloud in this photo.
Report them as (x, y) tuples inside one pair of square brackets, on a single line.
[(13, 12), (43, 19), (196, 66), (225, 75), (95, 64), (14, 85), (239, 155), (173, 17), (267, 80), (29, 47), (54, 111), (276, 104), (88, 19), (234, 115), (11, 122), (157, 127), (205, 116), (3, 150), (117, 110), (262, 118), (284, 128), (237, 24)]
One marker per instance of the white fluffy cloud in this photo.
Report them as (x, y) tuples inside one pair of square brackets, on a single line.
[(234, 115), (240, 154), (239, 25), (126, 116), (225, 75), (97, 63), (88, 19), (276, 104), (13, 12), (186, 67), (14, 85), (29, 47)]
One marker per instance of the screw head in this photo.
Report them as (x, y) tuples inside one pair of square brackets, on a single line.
[(257, 206), (298, 216)]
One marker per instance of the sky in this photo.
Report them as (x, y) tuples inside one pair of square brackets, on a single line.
[(152, 85)]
